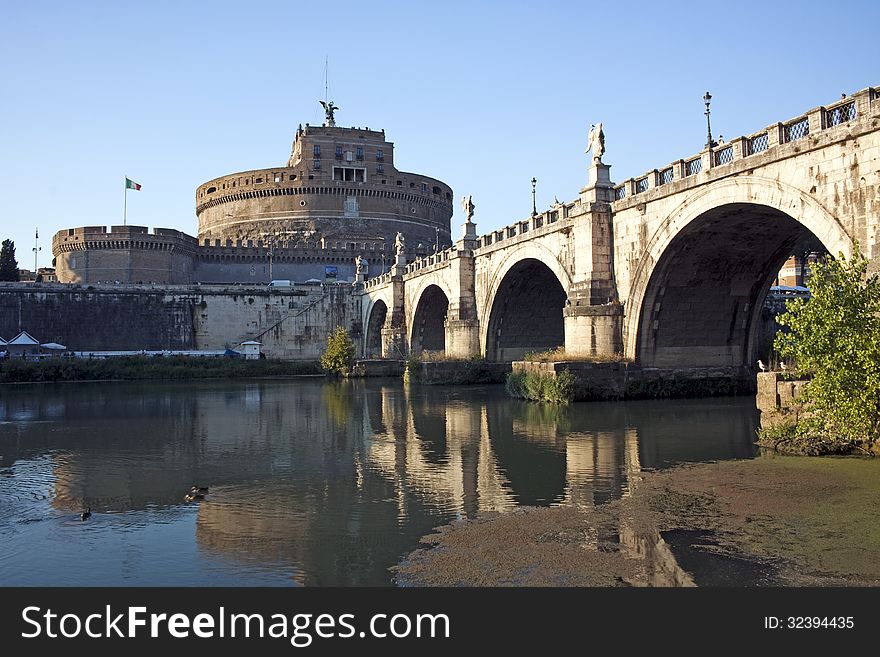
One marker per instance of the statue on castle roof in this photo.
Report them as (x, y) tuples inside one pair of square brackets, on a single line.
[(399, 244), (329, 108), (596, 142), (468, 205)]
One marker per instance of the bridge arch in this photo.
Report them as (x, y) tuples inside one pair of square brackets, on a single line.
[(375, 307), (376, 317), (696, 294), (522, 311), (428, 325)]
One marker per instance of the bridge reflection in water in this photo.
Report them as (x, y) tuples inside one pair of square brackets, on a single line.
[(311, 482)]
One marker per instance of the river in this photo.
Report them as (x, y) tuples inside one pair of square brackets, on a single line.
[(310, 482)]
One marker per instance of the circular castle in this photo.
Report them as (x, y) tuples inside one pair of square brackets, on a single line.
[(338, 197)]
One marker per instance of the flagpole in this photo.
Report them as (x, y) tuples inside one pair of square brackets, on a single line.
[(124, 201)]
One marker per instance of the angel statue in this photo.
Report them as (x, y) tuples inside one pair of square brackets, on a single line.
[(359, 265), (399, 244), (329, 108), (596, 142), (468, 205)]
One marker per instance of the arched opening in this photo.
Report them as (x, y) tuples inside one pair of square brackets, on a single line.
[(428, 329), (702, 305), (374, 330), (526, 312)]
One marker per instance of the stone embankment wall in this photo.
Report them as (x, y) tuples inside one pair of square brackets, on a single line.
[(776, 396), (292, 323), (623, 380)]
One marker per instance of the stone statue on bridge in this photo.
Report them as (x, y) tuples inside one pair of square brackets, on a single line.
[(399, 244), (468, 206), (359, 266), (596, 142)]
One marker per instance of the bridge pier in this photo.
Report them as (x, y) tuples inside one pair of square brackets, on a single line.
[(593, 330), (462, 338), (394, 339), (592, 316), (462, 326)]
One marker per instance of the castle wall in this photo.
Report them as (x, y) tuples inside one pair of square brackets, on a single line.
[(124, 254), (292, 323), (83, 319), (338, 181)]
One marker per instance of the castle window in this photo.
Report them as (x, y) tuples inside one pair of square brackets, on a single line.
[(339, 152), (211, 190), (316, 165), (412, 184), (349, 156), (257, 181), (279, 177), (436, 190), (349, 174), (380, 168), (317, 150), (400, 183), (380, 155), (360, 153), (424, 188)]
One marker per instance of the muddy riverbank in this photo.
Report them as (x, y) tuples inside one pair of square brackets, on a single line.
[(770, 521)]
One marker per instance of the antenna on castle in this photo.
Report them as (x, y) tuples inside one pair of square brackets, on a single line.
[(326, 85), (37, 248)]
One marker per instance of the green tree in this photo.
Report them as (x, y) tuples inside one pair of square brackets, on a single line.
[(8, 263), (834, 338), (339, 356)]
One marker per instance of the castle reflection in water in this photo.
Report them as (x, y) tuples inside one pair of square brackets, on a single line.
[(330, 483)]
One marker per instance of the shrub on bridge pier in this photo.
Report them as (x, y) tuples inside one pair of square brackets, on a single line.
[(556, 388)]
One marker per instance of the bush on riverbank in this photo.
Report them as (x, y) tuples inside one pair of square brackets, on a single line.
[(147, 367), (834, 339), (339, 356), (534, 386)]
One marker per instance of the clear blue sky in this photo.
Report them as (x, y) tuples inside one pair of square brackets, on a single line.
[(480, 95)]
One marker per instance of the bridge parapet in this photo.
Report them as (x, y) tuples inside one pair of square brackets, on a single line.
[(430, 261), (539, 221), (770, 141), (377, 281)]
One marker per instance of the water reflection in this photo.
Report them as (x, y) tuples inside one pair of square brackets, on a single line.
[(310, 482)]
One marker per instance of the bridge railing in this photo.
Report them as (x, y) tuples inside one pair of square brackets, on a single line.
[(377, 281), (430, 260), (540, 220), (847, 109)]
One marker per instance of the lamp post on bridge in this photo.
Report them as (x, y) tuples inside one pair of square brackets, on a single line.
[(709, 143), (534, 207)]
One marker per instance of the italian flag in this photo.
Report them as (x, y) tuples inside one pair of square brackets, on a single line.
[(130, 184)]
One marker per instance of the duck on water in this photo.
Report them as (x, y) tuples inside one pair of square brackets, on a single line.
[(196, 493)]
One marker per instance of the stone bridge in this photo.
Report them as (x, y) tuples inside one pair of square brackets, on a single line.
[(669, 269)]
